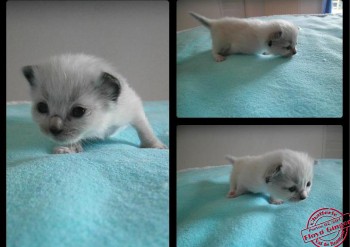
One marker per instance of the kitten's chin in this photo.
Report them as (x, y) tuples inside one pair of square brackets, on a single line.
[(289, 54), (295, 199), (64, 140)]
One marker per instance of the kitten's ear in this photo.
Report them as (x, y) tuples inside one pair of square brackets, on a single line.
[(276, 35), (110, 86), (28, 72), (272, 171)]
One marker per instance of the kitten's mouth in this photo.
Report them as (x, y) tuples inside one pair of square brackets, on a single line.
[(291, 53), (63, 137), (297, 198), (60, 138)]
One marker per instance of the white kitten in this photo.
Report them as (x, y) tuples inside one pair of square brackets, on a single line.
[(283, 174), (81, 97), (250, 36)]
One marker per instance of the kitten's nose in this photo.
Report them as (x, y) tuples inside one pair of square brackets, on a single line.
[(56, 125), (294, 51), (302, 197)]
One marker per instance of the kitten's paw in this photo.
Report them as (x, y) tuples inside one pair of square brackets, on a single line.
[(218, 58), (156, 144), (275, 201), (231, 194), (63, 150), (160, 145), (77, 148)]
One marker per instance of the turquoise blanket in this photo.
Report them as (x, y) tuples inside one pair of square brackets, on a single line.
[(205, 217), (307, 85), (113, 194)]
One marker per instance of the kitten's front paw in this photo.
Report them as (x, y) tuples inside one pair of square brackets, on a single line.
[(63, 150), (219, 58), (156, 144), (77, 148), (275, 201)]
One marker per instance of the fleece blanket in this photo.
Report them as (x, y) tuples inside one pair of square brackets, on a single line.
[(308, 84), (205, 217), (112, 194)]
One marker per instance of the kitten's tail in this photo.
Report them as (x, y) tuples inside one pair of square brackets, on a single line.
[(231, 158), (205, 21)]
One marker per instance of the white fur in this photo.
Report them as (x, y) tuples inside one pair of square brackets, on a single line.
[(251, 173), (71, 80), (249, 36)]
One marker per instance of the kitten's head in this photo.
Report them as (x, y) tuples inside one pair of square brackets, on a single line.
[(70, 96), (283, 39), (292, 179)]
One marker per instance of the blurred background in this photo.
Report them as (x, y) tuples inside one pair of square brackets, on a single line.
[(207, 145), (132, 35), (250, 8)]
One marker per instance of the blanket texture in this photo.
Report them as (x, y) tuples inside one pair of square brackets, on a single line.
[(205, 217), (112, 194), (307, 85)]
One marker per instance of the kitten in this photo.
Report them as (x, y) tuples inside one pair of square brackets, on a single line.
[(81, 97), (282, 174), (250, 36)]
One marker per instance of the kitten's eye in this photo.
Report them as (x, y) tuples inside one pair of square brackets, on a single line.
[(288, 47), (308, 184), (292, 189), (42, 108), (78, 111)]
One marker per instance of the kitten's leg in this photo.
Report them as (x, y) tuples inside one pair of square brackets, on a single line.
[(233, 186), (272, 200), (145, 133), (72, 148), (235, 190)]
